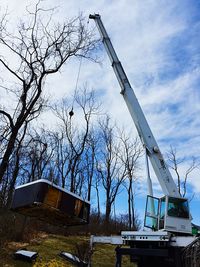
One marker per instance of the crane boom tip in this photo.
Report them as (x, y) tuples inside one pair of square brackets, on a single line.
[(94, 16)]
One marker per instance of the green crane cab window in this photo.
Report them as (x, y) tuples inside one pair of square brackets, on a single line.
[(162, 208), (178, 207)]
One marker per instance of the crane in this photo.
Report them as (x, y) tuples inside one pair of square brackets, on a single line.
[(171, 212)]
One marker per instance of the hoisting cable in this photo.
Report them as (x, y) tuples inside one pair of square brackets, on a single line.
[(71, 112)]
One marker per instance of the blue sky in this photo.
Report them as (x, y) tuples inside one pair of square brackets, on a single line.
[(158, 43)]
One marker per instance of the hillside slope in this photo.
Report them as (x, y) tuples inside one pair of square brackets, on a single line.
[(49, 247)]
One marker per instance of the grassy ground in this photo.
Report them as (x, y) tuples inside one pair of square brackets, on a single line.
[(104, 256), (49, 248)]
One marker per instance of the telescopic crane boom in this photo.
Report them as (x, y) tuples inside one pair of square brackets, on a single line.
[(177, 223), (144, 131)]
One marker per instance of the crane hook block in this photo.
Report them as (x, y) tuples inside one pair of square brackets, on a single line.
[(71, 113)]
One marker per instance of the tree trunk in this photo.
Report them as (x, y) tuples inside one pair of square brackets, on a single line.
[(10, 147), (108, 211), (98, 204), (129, 206), (133, 226)]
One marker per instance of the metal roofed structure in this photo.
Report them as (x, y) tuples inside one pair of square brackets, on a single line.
[(48, 202)]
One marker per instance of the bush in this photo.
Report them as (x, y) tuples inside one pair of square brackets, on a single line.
[(15, 227), (7, 226), (83, 251)]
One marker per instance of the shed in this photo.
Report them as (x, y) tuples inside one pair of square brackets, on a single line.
[(51, 203)]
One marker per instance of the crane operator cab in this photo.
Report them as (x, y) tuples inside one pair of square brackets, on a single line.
[(168, 213)]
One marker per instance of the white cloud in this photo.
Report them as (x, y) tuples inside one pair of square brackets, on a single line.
[(148, 37)]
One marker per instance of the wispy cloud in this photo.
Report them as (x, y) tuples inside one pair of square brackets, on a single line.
[(158, 44)]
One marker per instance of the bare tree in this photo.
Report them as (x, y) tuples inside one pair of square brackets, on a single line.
[(74, 138), (96, 185), (109, 167), (130, 153), (38, 153), (31, 160), (89, 162), (61, 156), (174, 163), (38, 48), (15, 159)]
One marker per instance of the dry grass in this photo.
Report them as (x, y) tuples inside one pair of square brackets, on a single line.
[(104, 256), (49, 248)]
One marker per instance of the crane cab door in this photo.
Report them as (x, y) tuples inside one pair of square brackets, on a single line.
[(152, 213)]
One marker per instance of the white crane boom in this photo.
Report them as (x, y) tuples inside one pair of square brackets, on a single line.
[(165, 179)]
